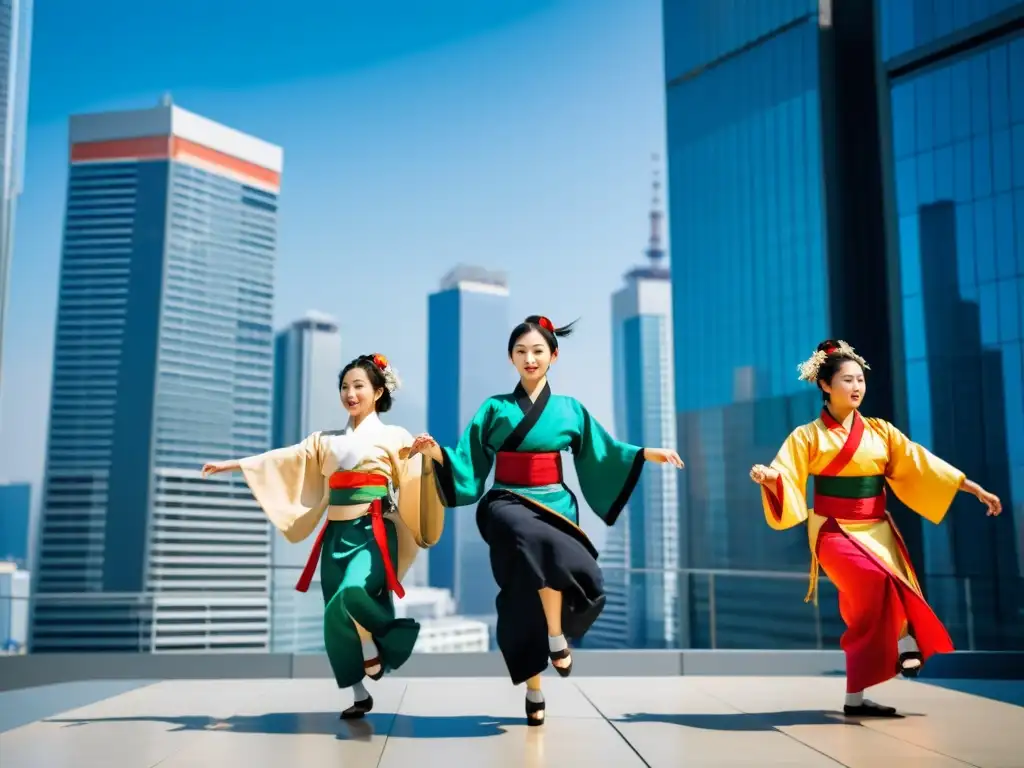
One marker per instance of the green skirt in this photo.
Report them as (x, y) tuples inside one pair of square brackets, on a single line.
[(355, 589)]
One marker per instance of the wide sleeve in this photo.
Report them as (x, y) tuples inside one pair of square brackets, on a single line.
[(419, 503), (607, 469), (919, 478), (461, 477), (289, 486), (786, 505)]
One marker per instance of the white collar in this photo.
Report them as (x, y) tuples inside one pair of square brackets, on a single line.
[(370, 424)]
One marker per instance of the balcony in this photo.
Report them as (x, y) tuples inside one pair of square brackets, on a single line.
[(715, 705)]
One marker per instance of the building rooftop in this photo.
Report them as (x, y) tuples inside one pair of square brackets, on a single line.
[(469, 276), (233, 718)]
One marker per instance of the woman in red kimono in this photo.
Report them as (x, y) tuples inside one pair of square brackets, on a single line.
[(890, 626)]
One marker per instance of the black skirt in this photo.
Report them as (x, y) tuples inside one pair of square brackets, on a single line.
[(530, 549)]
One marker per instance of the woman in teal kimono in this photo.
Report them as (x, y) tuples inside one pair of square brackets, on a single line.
[(550, 586)]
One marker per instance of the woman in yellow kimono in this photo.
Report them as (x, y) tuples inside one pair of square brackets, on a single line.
[(890, 626), (369, 539)]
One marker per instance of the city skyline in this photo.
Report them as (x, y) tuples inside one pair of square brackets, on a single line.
[(410, 181)]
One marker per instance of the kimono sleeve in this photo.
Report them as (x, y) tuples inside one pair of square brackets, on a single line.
[(919, 478), (419, 503), (289, 486), (461, 478), (607, 469), (786, 506)]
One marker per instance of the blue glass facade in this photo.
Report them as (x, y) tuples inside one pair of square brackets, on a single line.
[(957, 104), (468, 328), (771, 117)]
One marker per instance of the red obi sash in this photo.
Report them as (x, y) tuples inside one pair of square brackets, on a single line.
[(341, 481), (528, 469), (850, 498)]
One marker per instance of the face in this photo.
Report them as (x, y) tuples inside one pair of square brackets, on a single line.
[(531, 356), (847, 388), (357, 393)]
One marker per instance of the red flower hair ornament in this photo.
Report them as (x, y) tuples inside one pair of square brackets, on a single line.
[(546, 324), (391, 380)]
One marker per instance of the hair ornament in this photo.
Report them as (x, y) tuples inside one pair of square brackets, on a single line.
[(809, 368), (391, 380)]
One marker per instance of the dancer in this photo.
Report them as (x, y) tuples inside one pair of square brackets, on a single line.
[(353, 476), (550, 585), (890, 626)]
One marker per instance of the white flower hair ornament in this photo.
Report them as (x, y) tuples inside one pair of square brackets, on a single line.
[(809, 368), (391, 381)]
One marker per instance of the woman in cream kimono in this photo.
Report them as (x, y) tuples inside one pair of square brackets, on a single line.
[(369, 539), (890, 628)]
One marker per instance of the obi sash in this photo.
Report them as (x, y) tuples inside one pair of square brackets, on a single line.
[(528, 469), (347, 488), (850, 498)]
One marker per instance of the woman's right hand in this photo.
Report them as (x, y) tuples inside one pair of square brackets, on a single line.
[(763, 475), (216, 467), (428, 446)]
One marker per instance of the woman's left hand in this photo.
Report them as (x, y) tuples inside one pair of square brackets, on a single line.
[(990, 500), (663, 456)]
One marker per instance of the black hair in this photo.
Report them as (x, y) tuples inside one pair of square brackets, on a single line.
[(544, 327), (834, 359), (376, 377)]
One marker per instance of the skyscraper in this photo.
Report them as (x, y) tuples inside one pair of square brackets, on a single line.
[(776, 205), (307, 361), (15, 55), (15, 514), (955, 93), (162, 361), (467, 362), (641, 554)]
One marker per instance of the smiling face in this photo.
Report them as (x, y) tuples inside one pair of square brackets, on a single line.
[(847, 388), (357, 393), (532, 356)]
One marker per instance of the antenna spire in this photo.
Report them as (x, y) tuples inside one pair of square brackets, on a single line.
[(655, 250)]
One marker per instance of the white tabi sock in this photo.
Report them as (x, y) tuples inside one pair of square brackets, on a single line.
[(359, 692), (907, 644), (557, 643), (855, 699), (536, 696), (370, 652)]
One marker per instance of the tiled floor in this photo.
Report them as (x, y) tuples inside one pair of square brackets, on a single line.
[(621, 722)]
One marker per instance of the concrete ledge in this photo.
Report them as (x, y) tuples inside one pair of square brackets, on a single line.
[(43, 669)]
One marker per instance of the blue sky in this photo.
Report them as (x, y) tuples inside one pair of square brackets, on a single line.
[(514, 134)]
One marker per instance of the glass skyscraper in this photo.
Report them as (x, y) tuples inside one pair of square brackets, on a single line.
[(15, 55), (955, 76), (467, 362), (777, 219), (162, 361), (307, 361), (641, 554)]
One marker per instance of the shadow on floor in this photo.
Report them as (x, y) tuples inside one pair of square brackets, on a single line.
[(327, 723), (754, 721)]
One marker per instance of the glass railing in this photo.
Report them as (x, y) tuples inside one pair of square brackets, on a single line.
[(645, 609)]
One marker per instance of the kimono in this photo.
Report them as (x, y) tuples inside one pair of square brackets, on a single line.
[(529, 517), (853, 537), (368, 540)]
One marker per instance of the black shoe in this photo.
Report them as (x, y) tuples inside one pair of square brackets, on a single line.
[(374, 662), (907, 667), (562, 654), (870, 709), (358, 709), (532, 708)]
